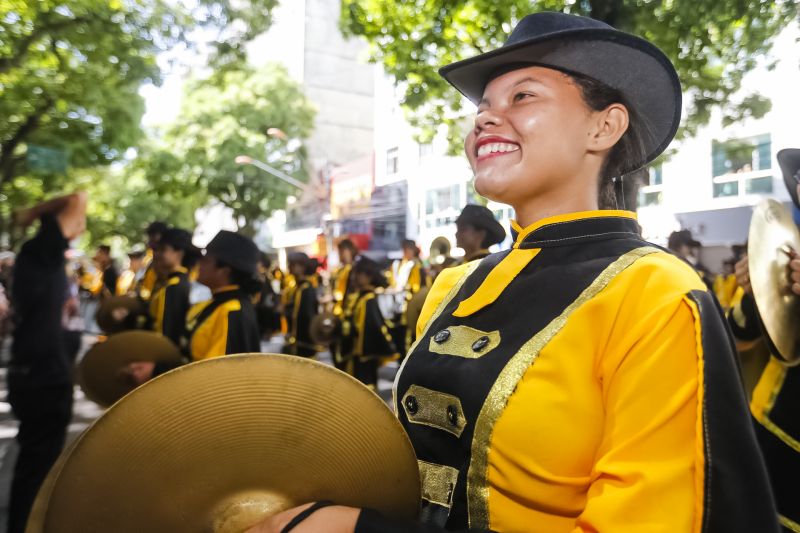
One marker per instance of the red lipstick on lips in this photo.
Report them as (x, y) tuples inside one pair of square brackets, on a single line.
[(491, 139)]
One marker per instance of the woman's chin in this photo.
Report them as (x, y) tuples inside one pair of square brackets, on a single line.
[(493, 189)]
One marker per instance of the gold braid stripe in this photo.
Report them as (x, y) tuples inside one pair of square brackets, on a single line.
[(789, 524), (477, 475), (439, 309)]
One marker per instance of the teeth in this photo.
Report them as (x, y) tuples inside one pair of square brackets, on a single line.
[(496, 147)]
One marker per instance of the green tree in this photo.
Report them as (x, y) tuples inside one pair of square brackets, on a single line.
[(227, 116), (713, 44), (70, 72)]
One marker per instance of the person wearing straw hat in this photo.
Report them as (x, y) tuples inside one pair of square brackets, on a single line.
[(774, 403), (583, 381), (476, 231)]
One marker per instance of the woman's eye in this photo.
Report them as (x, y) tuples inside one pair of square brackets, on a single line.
[(522, 96)]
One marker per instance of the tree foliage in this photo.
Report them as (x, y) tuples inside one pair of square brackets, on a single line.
[(227, 116), (70, 73), (713, 44)]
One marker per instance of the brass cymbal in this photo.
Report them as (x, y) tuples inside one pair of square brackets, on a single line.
[(99, 370), (118, 313), (773, 233), (323, 328), (220, 444)]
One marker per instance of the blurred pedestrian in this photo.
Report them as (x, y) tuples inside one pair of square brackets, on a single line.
[(107, 271), (476, 231), (39, 376), (301, 306), (687, 248)]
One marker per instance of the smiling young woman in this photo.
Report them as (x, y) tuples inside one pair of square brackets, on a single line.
[(582, 381)]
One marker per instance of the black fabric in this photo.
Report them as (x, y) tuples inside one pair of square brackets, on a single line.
[(783, 464), (243, 335), (110, 277), (470, 379), (235, 250), (738, 495), (294, 522), (298, 318), (176, 306), (371, 521), (269, 319), (580, 45), (377, 341), (789, 161), (44, 414), (38, 294), (751, 330)]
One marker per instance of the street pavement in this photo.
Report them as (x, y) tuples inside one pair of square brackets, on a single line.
[(86, 411)]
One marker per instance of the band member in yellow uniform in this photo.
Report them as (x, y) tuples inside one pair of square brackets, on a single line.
[(226, 324), (582, 381), (367, 341), (150, 280), (776, 397), (301, 306), (131, 276), (476, 231), (344, 293), (174, 256), (408, 277)]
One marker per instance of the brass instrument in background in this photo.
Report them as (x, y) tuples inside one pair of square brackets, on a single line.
[(773, 241), (439, 250)]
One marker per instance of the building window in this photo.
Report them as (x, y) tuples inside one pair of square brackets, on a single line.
[(425, 150), (742, 166), (652, 193), (392, 161), (439, 201)]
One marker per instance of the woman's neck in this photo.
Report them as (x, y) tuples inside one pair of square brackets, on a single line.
[(545, 206)]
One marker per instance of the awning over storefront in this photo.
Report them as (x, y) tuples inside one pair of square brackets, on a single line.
[(295, 238)]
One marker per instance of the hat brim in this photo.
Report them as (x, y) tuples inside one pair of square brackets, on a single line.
[(629, 64), (494, 230), (789, 161)]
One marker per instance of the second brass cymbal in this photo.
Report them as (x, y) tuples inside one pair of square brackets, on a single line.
[(773, 234), (324, 328), (118, 313), (99, 370), (221, 444)]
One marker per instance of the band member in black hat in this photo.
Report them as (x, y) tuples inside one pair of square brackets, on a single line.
[(367, 340), (227, 323), (173, 257), (476, 231), (301, 306), (688, 248), (583, 380), (150, 280), (775, 404), (40, 372)]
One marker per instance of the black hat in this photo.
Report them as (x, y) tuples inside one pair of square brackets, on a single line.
[(235, 250), (681, 238), (481, 217), (789, 161), (580, 45), (179, 239), (156, 227), (371, 268)]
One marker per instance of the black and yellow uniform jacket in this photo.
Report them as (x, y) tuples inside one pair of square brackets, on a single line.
[(582, 381), (776, 409), (169, 306), (226, 324), (367, 335), (301, 308), (342, 291)]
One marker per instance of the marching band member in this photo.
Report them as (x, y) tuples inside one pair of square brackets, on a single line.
[(301, 306), (476, 231), (582, 381), (150, 280), (367, 340), (226, 324), (173, 257), (775, 398), (344, 293)]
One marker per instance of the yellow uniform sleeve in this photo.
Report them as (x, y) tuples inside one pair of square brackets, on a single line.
[(648, 475), (211, 337)]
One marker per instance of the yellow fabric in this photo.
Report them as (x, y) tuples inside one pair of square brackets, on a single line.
[(767, 389), (210, 339), (576, 449), (726, 288), (441, 286), (497, 281), (158, 302), (124, 282), (341, 276), (149, 282)]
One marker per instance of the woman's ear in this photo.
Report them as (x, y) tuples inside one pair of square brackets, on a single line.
[(610, 125)]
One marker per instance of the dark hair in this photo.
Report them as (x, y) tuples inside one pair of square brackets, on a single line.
[(156, 228), (248, 283), (264, 260), (629, 148), (106, 249), (347, 244), (372, 270)]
